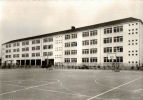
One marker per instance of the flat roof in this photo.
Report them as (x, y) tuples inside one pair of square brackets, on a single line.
[(129, 19)]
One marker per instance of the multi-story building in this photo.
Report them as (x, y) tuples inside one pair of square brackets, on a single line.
[(89, 45)]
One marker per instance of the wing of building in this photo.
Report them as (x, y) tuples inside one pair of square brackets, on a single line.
[(101, 44)]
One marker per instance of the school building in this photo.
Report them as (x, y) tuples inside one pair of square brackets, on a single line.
[(101, 44)]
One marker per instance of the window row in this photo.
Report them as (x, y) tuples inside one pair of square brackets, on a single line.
[(92, 42), (72, 52), (8, 51), (25, 55), (133, 24), (91, 59), (89, 33), (133, 54), (36, 48), (37, 41), (113, 30), (15, 55), (92, 51), (48, 39), (72, 44), (70, 36), (36, 54), (118, 59), (7, 56), (25, 49), (47, 53), (48, 46), (116, 49), (16, 44), (68, 60), (116, 39), (25, 43)]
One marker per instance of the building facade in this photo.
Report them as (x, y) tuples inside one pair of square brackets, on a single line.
[(101, 44)]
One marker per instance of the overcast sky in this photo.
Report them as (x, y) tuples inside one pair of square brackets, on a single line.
[(24, 18)]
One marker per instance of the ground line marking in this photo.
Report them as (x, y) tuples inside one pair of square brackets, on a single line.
[(34, 87), (26, 88), (62, 92), (113, 89)]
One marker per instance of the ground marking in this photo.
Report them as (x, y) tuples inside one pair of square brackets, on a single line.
[(113, 89), (26, 88), (62, 92), (96, 82), (138, 90), (34, 87)]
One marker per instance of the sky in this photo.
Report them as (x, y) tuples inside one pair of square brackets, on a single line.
[(24, 18)]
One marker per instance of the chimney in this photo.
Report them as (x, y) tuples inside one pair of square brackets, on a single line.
[(72, 27)]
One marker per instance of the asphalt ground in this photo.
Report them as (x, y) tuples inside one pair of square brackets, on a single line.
[(43, 84)]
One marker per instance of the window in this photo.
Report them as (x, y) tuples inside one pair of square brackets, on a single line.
[(27, 49), (23, 43), (67, 60), (85, 60), (93, 32), (37, 47), (16, 56), (107, 60), (67, 37), (18, 49), (27, 42), (73, 44), (14, 50), (118, 39), (93, 59), (26, 55), (33, 41), (6, 45), (118, 49), (74, 36), (44, 53), (50, 46), (107, 40), (73, 52), (94, 41), (85, 34), (107, 49), (9, 56), (37, 54), (73, 59), (93, 50), (118, 29), (14, 44), (67, 52), (45, 47), (86, 42), (107, 30), (85, 51), (6, 56), (18, 43), (67, 44), (23, 49), (10, 50), (23, 55), (9, 47), (119, 59), (37, 41), (50, 53), (6, 51), (33, 48), (33, 54)]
